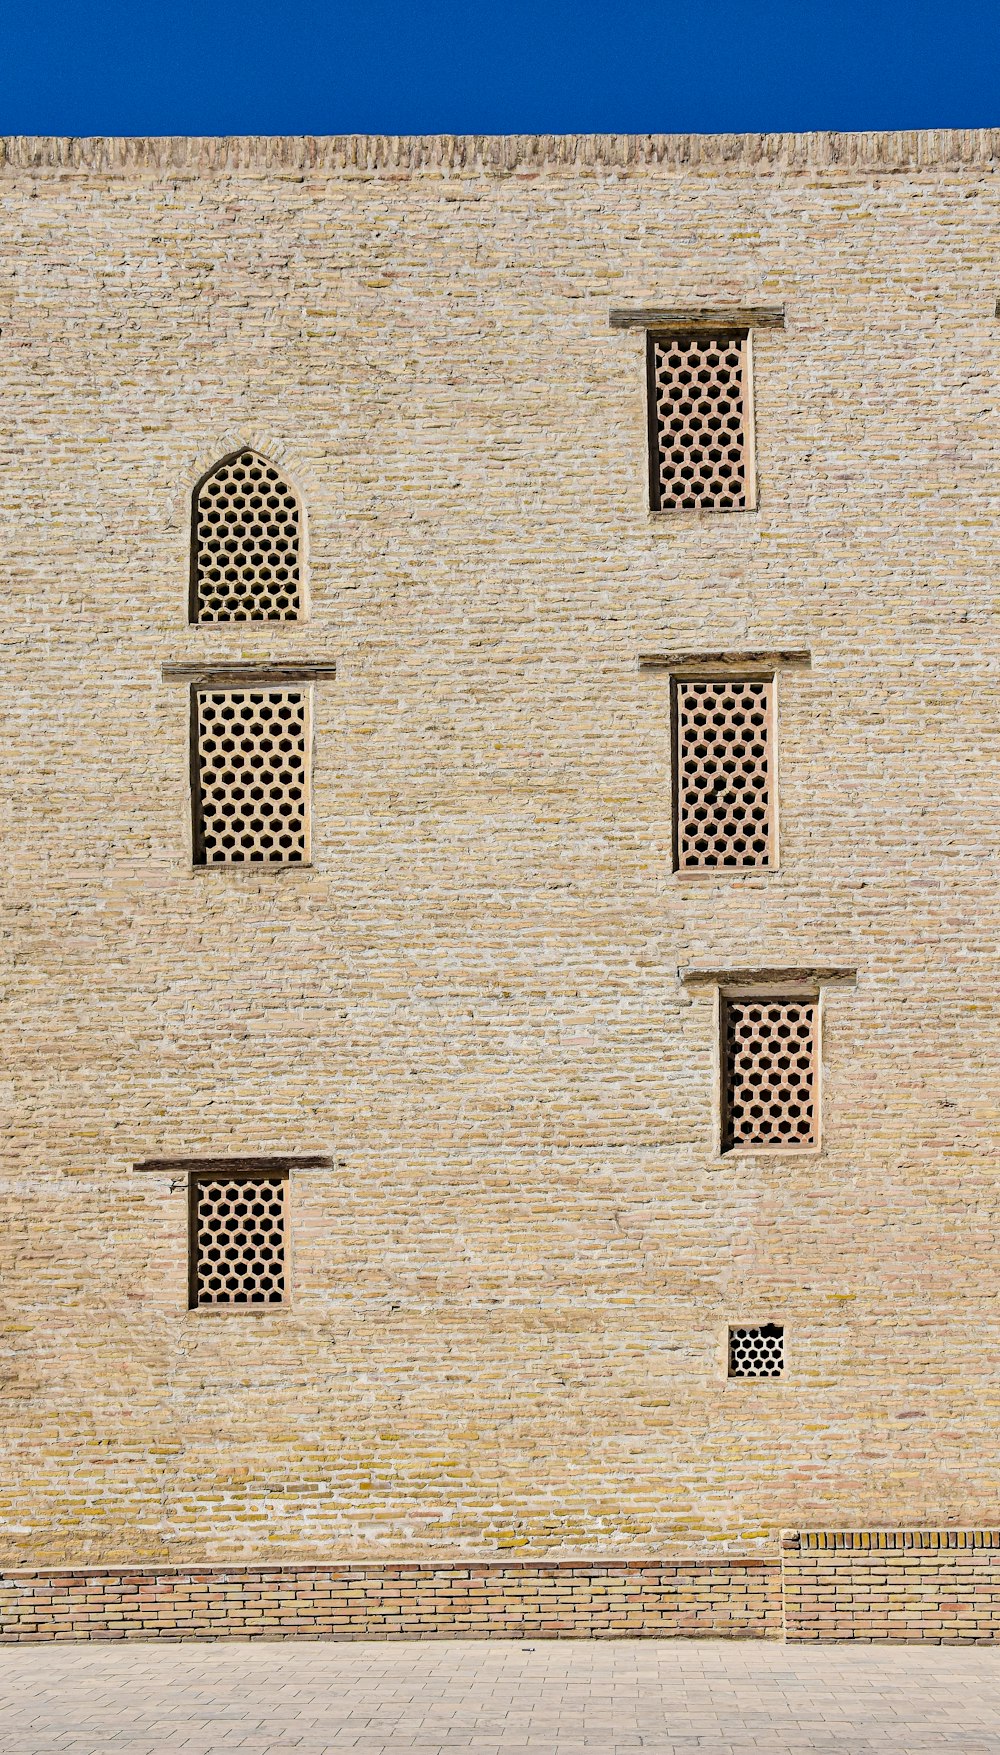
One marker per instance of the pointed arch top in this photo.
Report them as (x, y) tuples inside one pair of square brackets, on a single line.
[(247, 529)]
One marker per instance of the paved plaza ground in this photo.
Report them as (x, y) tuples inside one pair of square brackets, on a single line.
[(669, 1697)]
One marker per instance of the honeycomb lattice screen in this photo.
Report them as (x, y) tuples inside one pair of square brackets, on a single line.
[(757, 1352), (770, 1073), (722, 773), (699, 387), (238, 1239), (246, 538), (251, 778)]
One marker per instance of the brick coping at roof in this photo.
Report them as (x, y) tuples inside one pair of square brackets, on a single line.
[(194, 155)]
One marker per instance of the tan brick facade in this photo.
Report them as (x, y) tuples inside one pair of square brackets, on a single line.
[(481, 1028)]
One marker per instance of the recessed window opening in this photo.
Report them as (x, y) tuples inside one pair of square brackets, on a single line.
[(238, 1238), (250, 775), (757, 1352), (769, 1052), (699, 421), (723, 803), (246, 540)]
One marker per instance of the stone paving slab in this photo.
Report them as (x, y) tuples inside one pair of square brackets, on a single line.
[(670, 1697)]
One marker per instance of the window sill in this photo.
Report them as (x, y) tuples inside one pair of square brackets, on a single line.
[(199, 1310), (699, 874), (253, 868), (755, 1383), (739, 1154), (698, 514)]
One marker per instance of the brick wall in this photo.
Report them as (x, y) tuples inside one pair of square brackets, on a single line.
[(903, 1586), (567, 1600), (515, 1247)]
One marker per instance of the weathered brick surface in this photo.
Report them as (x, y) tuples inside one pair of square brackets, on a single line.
[(904, 1586), (510, 1294), (737, 1598)]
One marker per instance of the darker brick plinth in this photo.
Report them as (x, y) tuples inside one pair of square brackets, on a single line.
[(896, 1586), (735, 1598)]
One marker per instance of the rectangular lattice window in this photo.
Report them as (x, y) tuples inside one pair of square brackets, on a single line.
[(723, 792), (757, 1352), (238, 1238), (251, 764), (699, 422), (769, 1073)]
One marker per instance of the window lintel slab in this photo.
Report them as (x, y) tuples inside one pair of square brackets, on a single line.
[(247, 675), (236, 1166), (818, 974), (689, 317), (730, 662)]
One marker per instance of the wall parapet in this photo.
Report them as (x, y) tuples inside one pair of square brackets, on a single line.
[(181, 155)]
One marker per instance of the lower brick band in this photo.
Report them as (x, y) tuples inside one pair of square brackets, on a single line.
[(729, 1598), (904, 1586), (897, 1586)]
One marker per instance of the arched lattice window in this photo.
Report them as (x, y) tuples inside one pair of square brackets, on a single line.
[(246, 543)]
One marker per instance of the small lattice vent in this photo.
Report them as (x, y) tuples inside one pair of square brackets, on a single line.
[(245, 544), (238, 1239), (722, 782), (251, 776), (698, 401), (757, 1352), (770, 1073)]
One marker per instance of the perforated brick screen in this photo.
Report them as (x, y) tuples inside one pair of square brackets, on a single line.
[(698, 397), (757, 1352), (237, 1239), (245, 542), (251, 776), (722, 773), (769, 1048)]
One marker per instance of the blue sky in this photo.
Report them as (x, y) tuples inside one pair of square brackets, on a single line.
[(516, 66)]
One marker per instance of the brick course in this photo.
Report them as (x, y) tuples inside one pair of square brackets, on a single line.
[(900, 1586), (736, 1599), (515, 1247)]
